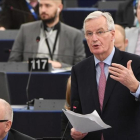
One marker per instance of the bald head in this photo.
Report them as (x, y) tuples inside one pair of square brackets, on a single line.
[(6, 110), (120, 40), (56, 1), (6, 114)]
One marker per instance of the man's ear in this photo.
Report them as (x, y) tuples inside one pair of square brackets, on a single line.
[(60, 8), (126, 43), (8, 125), (113, 35)]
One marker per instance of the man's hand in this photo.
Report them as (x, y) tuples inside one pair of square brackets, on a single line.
[(77, 135), (55, 64), (124, 75)]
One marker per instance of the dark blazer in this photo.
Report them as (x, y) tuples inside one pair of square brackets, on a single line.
[(15, 135), (120, 109), (125, 14), (12, 19)]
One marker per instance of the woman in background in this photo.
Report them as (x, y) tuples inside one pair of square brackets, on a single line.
[(64, 120)]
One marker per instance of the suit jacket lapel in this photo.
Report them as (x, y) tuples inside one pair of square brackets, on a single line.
[(10, 136), (110, 82), (93, 85)]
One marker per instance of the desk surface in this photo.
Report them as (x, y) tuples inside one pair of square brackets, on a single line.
[(42, 85)]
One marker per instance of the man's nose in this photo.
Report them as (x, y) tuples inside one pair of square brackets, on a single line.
[(43, 9), (94, 37)]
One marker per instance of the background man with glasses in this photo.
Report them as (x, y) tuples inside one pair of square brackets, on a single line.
[(107, 82), (6, 119)]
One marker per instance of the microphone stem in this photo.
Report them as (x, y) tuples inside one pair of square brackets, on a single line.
[(27, 87), (65, 131)]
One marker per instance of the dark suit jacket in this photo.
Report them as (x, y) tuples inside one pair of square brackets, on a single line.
[(120, 109), (125, 14), (12, 19), (15, 135)]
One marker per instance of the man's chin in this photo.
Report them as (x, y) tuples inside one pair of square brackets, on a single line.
[(48, 21)]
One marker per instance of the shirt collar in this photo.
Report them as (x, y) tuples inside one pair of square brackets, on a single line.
[(48, 29), (108, 60), (6, 137)]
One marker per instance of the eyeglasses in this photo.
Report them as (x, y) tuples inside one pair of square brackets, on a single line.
[(98, 33), (3, 120)]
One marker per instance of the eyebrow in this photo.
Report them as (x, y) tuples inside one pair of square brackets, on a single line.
[(96, 30)]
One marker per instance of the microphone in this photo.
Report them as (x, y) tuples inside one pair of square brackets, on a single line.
[(29, 78), (18, 10), (38, 39), (75, 105)]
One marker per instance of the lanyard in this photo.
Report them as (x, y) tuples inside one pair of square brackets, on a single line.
[(32, 10), (54, 45)]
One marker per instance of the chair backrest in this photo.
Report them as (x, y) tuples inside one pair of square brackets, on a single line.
[(8, 34), (4, 88), (109, 5)]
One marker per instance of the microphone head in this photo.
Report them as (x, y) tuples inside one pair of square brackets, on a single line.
[(37, 39), (75, 105)]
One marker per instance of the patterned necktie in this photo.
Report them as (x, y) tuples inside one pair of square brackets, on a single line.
[(102, 84), (137, 51), (101, 90)]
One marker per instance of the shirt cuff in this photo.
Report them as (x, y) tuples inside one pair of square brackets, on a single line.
[(137, 93)]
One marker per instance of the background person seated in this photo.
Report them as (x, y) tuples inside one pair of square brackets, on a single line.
[(62, 44), (16, 12), (120, 39), (126, 14), (6, 119), (133, 36)]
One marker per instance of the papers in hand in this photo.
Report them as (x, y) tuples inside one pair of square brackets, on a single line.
[(86, 123)]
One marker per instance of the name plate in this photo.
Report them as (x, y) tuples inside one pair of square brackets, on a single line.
[(38, 64)]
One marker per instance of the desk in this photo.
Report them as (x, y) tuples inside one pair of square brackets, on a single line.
[(37, 124), (42, 85)]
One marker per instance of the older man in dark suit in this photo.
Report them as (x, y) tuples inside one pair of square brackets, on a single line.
[(107, 82), (6, 119)]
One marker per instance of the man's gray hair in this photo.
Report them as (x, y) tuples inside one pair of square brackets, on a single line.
[(97, 14), (8, 111)]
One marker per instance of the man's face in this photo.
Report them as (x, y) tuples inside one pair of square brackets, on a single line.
[(48, 10), (101, 42), (120, 42)]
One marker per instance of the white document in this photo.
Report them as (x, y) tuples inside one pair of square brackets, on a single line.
[(58, 70), (85, 123)]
